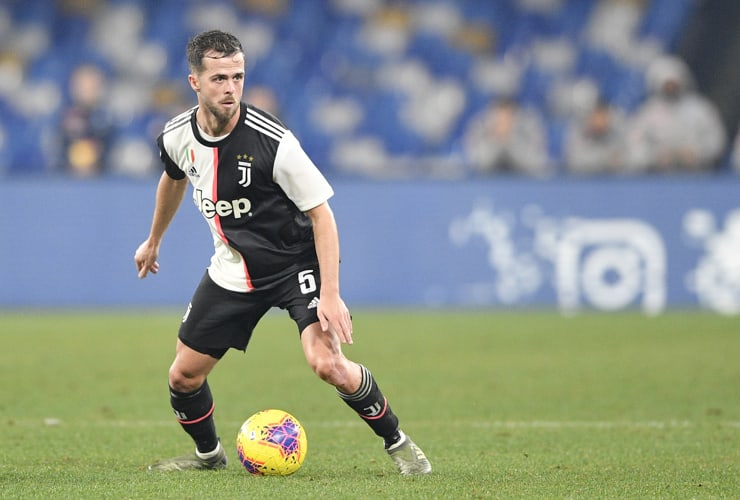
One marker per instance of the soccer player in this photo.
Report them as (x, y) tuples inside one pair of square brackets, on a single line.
[(276, 245)]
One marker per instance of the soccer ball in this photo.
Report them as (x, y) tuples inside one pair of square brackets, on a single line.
[(271, 443)]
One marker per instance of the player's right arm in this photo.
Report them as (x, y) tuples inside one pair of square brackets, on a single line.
[(170, 193)]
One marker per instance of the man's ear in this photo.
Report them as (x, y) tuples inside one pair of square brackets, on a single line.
[(193, 82)]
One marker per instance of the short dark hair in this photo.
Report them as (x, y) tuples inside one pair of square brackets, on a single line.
[(225, 44)]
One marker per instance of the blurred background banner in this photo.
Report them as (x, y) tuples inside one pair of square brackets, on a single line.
[(574, 245)]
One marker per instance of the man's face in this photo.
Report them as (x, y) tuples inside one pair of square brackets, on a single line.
[(220, 85), (672, 89)]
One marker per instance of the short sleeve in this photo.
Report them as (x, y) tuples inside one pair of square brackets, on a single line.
[(169, 165), (297, 175)]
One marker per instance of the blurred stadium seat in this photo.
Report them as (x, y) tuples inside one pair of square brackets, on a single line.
[(315, 54)]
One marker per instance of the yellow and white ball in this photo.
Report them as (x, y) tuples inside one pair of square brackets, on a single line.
[(271, 443)]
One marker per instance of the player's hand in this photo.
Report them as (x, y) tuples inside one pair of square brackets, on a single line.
[(146, 259), (333, 313)]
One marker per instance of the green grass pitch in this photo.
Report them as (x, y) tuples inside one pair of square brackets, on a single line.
[(506, 405)]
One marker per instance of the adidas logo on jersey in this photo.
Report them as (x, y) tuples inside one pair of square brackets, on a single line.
[(313, 304), (192, 172)]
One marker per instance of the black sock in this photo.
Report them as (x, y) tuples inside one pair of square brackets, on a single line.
[(194, 411), (368, 401), (392, 439)]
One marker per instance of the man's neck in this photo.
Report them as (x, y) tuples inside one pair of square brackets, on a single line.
[(211, 125)]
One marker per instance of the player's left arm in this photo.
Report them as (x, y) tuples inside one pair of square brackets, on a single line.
[(307, 188), (332, 311)]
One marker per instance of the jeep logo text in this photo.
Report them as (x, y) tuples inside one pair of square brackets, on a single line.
[(222, 208)]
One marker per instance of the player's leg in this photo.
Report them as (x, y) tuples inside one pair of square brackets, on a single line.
[(216, 320), (354, 382), (191, 398), (357, 387), (192, 402)]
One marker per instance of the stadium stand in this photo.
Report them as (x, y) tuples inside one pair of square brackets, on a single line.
[(372, 88)]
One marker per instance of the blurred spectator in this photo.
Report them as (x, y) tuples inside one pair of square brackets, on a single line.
[(133, 154), (86, 127), (265, 7), (506, 137), (595, 143), (676, 129)]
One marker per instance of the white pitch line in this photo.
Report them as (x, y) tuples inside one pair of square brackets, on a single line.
[(349, 423), (586, 424)]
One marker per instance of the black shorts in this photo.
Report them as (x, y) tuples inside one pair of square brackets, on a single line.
[(218, 319)]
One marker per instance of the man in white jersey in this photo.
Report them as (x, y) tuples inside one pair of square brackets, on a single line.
[(276, 245)]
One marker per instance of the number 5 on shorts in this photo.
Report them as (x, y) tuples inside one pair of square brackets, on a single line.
[(306, 281)]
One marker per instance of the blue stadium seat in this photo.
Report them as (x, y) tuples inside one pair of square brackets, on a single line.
[(627, 90), (318, 52), (442, 58), (663, 20), (534, 88)]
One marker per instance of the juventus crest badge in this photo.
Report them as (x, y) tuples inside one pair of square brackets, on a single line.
[(244, 164)]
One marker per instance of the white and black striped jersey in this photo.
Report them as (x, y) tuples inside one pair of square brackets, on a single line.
[(252, 187)]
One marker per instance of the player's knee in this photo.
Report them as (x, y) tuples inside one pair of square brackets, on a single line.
[(183, 382), (329, 370)]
